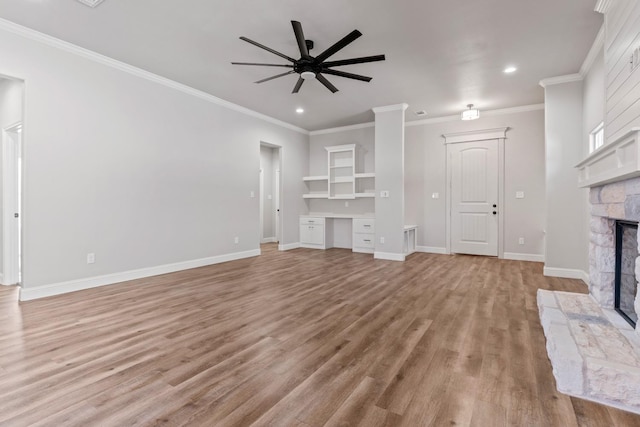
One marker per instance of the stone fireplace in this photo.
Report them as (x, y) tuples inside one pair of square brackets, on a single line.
[(594, 351)]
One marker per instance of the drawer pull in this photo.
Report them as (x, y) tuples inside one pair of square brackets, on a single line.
[(367, 240), (367, 225)]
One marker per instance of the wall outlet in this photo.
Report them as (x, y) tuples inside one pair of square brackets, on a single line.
[(236, 240), (346, 204), (382, 240), (435, 196), (521, 241), (384, 194), (252, 194), (519, 194), (269, 197), (91, 258)]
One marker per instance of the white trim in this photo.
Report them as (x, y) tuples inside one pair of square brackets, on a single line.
[(431, 250), (598, 43), (289, 246), (389, 256), (603, 6), (524, 257), (27, 294), (269, 240), (475, 135), (387, 108), (105, 60), (2, 279), (342, 128), (566, 273), (561, 79), (434, 120)]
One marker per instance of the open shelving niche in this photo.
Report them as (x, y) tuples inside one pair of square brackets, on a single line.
[(341, 181)]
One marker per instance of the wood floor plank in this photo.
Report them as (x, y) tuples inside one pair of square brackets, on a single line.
[(299, 338)]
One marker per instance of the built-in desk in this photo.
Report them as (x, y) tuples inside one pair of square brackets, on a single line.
[(328, 230)]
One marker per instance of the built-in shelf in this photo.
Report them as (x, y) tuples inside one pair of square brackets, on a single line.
[(365, 195), (365, 175), (342, 179), (315, 196), (340, 167), (315, 178)]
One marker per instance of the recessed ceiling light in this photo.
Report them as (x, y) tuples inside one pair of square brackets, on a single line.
[(421, 113), (299, 110), (510, 69)]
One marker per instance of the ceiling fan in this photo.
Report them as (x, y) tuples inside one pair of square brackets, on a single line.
[(309, 67)]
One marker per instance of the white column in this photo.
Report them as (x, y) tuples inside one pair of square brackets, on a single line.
[(389, 160)]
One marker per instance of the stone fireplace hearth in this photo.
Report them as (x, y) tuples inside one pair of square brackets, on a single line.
[(594, 352)]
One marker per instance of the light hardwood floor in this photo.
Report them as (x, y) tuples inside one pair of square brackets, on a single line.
[(298, 338)]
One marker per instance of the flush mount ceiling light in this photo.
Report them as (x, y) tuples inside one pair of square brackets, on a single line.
[(510, 69), (91, 3), (471, 113)]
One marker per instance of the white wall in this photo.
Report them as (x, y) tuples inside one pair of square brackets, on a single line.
[(139, 173), (567, 243), (425, 174), (11, 93)]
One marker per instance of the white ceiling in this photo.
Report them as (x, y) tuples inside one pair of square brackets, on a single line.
[(441, 54)]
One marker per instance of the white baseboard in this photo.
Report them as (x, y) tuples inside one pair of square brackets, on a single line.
[(431, 250), (27, 294), (523, 257), (389, 256), (269, 240), (567, 273), (288, 246)]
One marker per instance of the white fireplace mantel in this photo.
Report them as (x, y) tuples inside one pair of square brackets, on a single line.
[(613, 162)]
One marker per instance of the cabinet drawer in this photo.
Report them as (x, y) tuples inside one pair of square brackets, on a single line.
[(364, 225), (312, 221), (361, 240)]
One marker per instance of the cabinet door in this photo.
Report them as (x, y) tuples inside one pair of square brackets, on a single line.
[(315, 233)]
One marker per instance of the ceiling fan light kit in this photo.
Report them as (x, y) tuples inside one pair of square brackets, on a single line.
[(471, 113), (309, 67)]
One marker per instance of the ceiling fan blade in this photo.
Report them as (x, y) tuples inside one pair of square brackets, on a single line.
[(322, 79), (339, 45), (275, 77), (347, 75), (302, 44), (268, 49), (264, 65), (298, 85), (354, 61)]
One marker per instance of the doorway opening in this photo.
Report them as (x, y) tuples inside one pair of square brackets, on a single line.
[(270, 193), (11, 204)]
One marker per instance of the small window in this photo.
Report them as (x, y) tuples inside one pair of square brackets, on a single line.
[(596, 138)]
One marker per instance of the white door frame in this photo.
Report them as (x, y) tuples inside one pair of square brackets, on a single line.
[(11, 152), (277, 197), (471, 136), (261, 193)]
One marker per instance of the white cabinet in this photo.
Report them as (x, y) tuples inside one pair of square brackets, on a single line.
[(364, 234), (313, 233)]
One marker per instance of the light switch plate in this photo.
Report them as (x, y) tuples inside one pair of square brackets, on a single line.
[(435, 195), (519, 194)]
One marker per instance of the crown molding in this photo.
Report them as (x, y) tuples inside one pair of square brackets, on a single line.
[(37, 36), (387, 108), (603, 6), (561, 79), (342, 128), (598, 43)]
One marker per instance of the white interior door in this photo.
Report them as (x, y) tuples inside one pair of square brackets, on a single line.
[(11, 188), (474, 197)]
